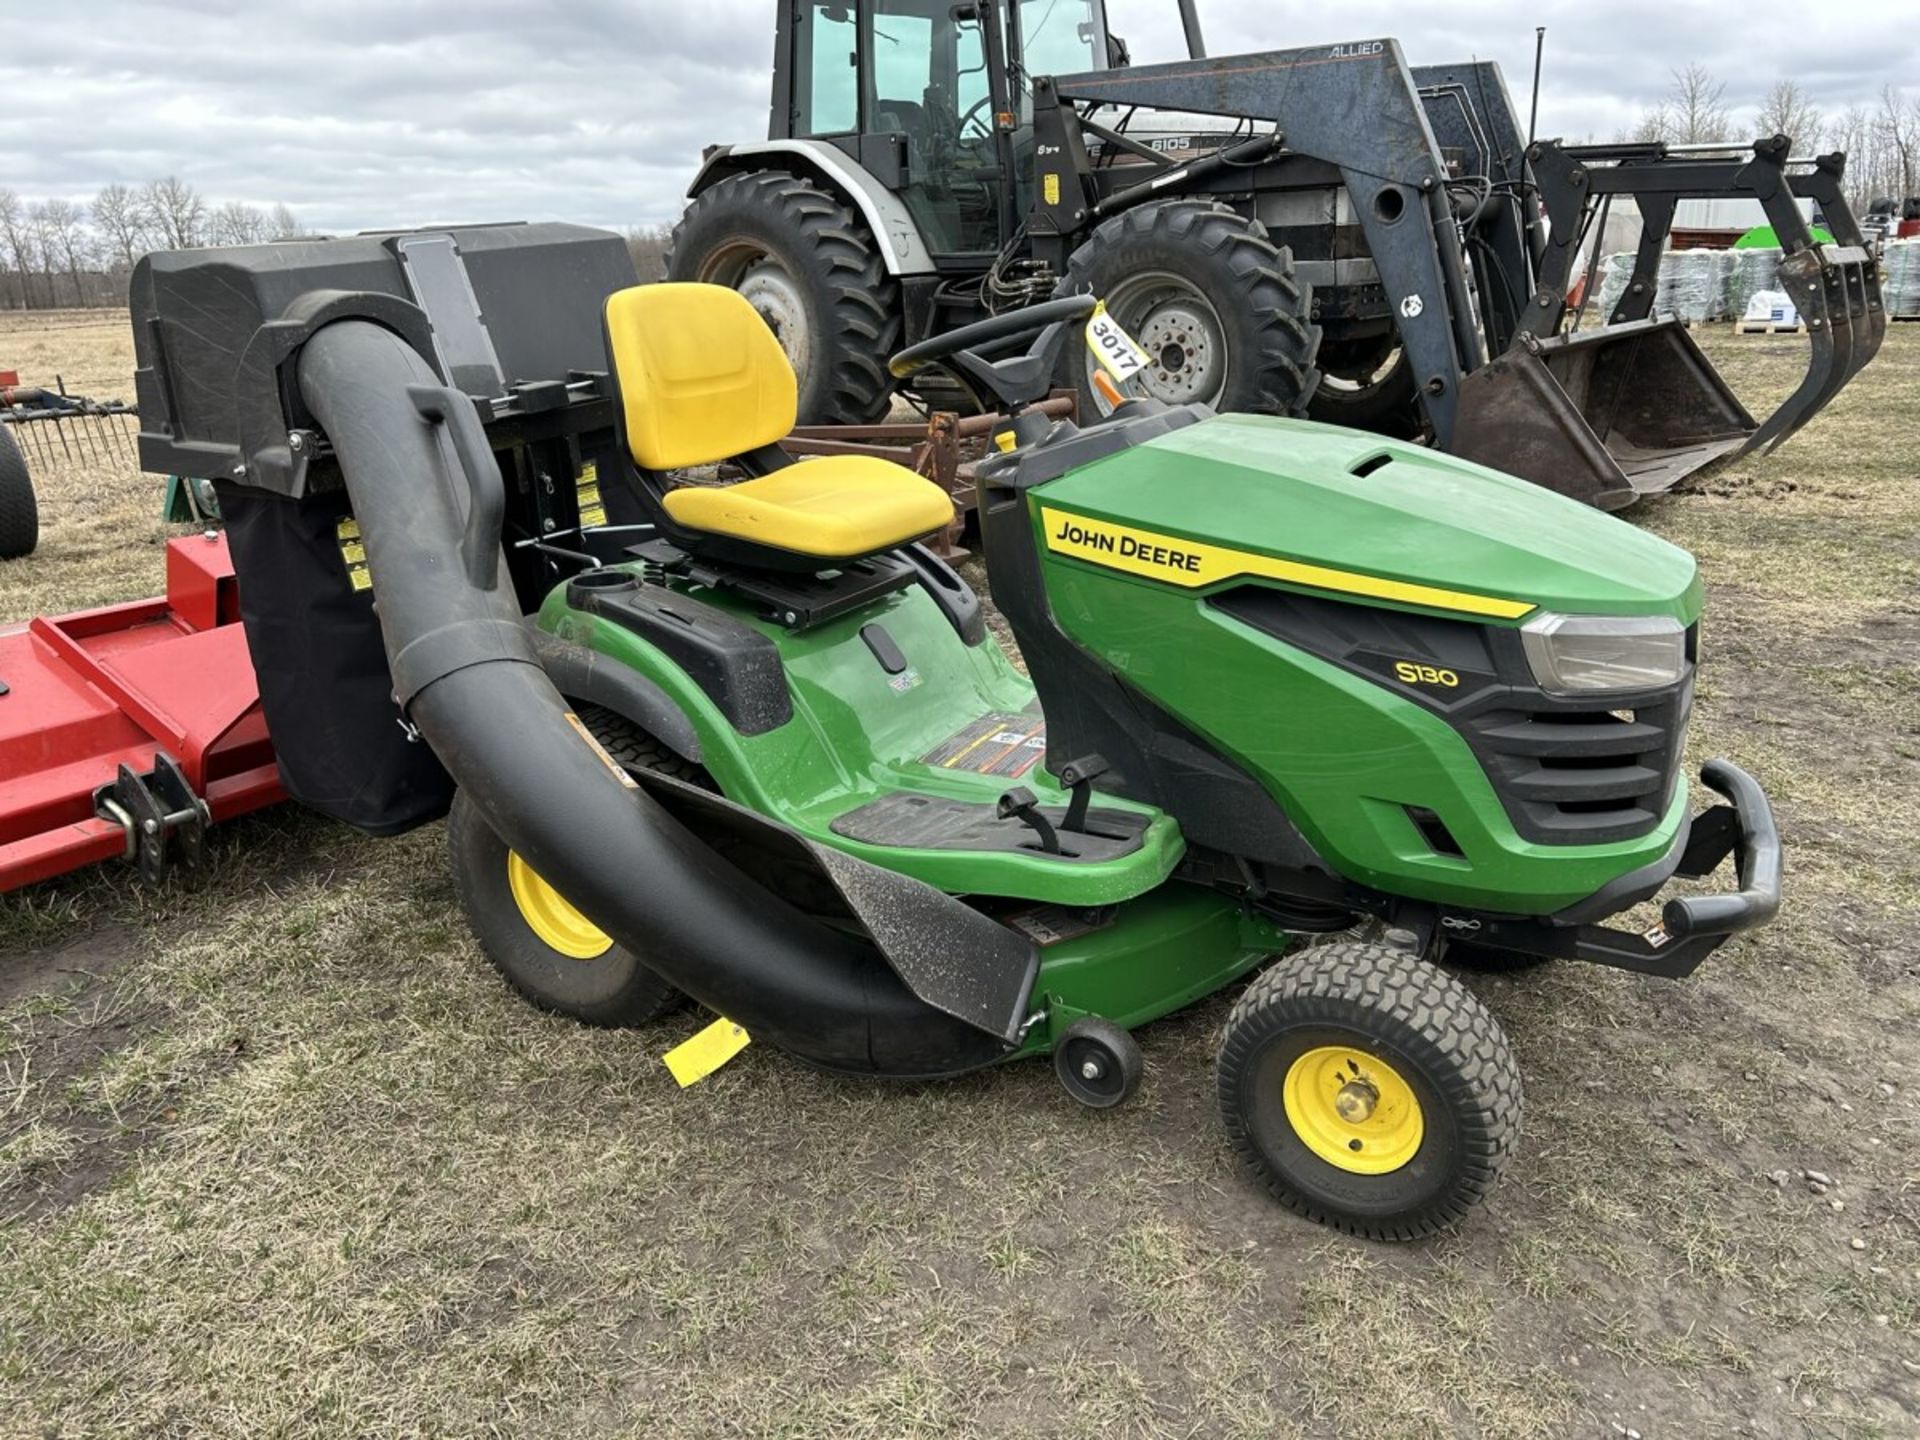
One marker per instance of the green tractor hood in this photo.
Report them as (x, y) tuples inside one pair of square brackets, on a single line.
[(1334, 510)]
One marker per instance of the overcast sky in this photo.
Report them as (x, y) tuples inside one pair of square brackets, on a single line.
[(361, 113)]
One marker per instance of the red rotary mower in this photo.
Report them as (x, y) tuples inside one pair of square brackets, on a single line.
[(127, 730)]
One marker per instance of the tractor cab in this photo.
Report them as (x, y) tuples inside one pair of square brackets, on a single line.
[(935, 100)]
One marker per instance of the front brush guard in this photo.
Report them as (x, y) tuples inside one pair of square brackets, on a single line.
[(1691, 927)]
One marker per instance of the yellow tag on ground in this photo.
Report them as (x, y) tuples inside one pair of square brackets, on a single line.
[(693, 1060)]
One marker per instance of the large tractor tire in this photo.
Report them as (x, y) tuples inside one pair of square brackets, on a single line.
[(1367, 385), (813, 271), (1212, 301), (19, 514)]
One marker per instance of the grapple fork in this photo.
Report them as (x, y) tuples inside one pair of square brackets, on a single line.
[(1629, 409)]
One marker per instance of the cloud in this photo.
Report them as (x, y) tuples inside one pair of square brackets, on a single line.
[(360, 114)]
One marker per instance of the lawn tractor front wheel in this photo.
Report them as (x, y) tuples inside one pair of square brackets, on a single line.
[(535, 937), (19, 513), (1369, 1090)]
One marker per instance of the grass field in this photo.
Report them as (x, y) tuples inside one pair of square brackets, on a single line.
[(280, 1155)]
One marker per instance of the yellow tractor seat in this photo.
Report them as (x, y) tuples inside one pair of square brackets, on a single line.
[(701, 379), (834, 508)]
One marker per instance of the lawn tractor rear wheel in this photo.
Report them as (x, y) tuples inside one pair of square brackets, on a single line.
[(1367, 385), (1369, 1090), (547, 949), (19, 513), (812, 269), (1213, 302)]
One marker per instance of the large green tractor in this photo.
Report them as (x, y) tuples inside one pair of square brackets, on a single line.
[(1305, 711)]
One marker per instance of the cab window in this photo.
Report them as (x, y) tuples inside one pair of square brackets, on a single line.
[(827, 97)]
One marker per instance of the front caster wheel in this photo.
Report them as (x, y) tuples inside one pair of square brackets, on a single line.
[(1368, 1090), (1099, 1063)]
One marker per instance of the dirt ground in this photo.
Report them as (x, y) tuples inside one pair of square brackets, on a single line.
[(280, 1155)]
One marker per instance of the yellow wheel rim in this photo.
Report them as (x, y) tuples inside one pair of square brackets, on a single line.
[(551, 916), (1353, 1110)]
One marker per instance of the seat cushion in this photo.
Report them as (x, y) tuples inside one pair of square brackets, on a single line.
[(838, 507)]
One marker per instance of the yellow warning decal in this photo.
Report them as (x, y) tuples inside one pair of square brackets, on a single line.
[(1050, 187), (353, 552), (586, 493), (691, 1061), (1193, 564)]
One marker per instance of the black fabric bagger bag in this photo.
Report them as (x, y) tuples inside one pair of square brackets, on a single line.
[(324, 686)]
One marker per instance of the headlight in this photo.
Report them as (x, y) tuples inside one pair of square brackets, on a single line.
[(1578, 654)]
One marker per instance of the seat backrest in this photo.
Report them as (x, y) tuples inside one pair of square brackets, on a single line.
[(701, 378)]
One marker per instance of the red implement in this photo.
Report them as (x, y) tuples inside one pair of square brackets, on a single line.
[(124, 731)]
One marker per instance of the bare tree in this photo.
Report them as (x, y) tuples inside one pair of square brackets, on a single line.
[(648, 245), (46, 247), (283, 224), (1655, 125), (60, 227), (16, 230), (1851, 133), (235, 223), (1897, 125), (1699, 105), (175, 212), (1787, 110), (121, 220)]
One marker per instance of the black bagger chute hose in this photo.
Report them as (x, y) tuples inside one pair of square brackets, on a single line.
[(466, 674)]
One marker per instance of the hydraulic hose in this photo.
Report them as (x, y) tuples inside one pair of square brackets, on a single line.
[(467, 677)]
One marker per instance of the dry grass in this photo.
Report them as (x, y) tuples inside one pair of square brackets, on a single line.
[(280, 1156)]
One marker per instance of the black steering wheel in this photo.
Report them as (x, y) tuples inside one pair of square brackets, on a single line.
[(1016, 381), (973, 111)]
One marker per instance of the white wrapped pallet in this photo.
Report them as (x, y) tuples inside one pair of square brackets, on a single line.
[(1693, 285), (1771, 307), (1900, 278), (1614, 272), (1751, 272)]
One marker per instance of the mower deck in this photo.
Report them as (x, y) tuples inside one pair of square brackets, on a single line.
[(129, 714)]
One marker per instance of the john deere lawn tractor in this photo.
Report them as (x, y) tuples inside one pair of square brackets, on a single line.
[(755, 746), (1322, 231)]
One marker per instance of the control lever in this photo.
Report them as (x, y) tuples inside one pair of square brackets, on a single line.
[(1021, 804), (1078, 776)]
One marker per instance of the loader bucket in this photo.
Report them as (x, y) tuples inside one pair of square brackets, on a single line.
[(1612, 415), (1607, 416)]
